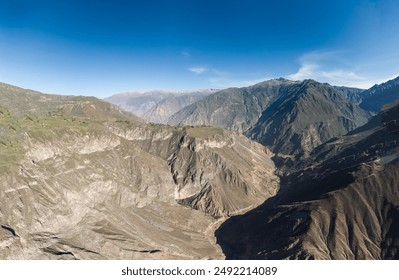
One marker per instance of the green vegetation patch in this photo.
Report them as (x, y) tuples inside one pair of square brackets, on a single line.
[(10, 141), (47, 127), (204, 132), (156, 126)]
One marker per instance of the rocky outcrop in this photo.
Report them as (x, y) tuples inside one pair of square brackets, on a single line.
[(208, 167)]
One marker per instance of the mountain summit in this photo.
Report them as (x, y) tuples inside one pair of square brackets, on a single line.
[(307, 115)]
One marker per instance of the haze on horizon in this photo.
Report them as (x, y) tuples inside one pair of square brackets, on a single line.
[(104, 47)]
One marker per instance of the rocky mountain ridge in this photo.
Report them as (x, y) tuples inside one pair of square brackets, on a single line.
[(232, 108), (289, 117), (310, 114), (374, 98)]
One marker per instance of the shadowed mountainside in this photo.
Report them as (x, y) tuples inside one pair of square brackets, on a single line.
[(343, 204), (310, 114)]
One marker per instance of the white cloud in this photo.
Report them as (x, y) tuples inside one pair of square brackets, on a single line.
[(198, 70), (185, 54), (306, 71), (329, 67)]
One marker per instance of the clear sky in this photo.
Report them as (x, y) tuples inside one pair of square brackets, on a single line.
[(93, 47)]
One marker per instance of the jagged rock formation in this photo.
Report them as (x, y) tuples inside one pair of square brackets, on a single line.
[(376, 97), (207, 167), (342, 204), (157, 106), (77, 188)]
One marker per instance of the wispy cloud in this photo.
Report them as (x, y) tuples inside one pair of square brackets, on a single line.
[(198, 70), (186, 54), (330, 67), (219, 78)]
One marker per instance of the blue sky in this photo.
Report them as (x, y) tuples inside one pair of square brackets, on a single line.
[(104, 47)]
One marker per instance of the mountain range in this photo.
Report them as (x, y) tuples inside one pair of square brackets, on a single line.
[(289, 117), (278, 170), (157, 106)]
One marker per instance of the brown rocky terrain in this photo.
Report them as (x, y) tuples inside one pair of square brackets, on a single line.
[(76, 187)]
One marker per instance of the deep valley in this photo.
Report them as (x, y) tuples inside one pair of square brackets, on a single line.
[(278, 170)]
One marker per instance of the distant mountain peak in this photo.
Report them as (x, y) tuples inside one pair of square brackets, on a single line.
[(379, 95), (274, 82), (156, 106), (387, 84)]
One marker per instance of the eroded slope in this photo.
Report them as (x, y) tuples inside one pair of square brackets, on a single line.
[(76, 188)]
